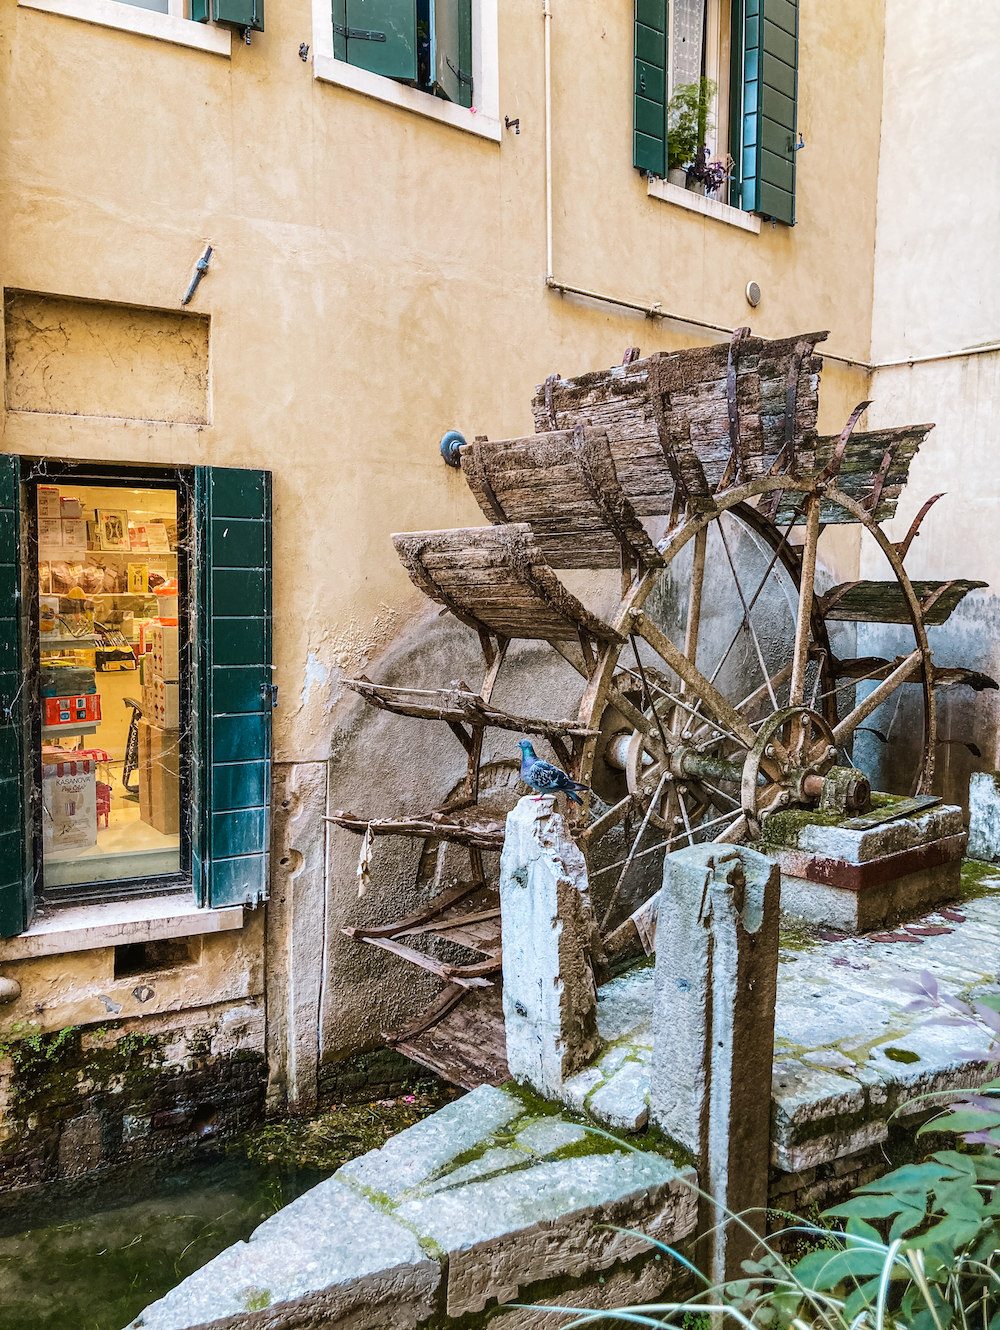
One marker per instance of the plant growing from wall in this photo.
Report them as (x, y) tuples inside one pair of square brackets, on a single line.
[(688, 122)]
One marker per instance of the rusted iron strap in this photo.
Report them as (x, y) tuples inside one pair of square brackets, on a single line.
[(496, 507), (879, 481), (904, 545), (631, 353), (935, 596), (600, 499), (874, 872), (550, 383), (657, 398), (732, 370), (832, 468), (827, 602)]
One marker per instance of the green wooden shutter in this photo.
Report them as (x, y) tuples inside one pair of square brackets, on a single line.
[(451, 49), (232, 749), (649, 151), (764, 103), (233, 13), (16, 863), (380, 35)]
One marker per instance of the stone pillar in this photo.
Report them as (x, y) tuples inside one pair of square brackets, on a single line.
[(713, 1034), (549, 993), (984, 816)]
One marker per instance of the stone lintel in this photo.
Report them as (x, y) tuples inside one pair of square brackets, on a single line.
[(794, 831)]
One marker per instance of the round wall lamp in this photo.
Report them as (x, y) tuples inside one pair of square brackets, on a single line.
[(753, 294), (450, 446)]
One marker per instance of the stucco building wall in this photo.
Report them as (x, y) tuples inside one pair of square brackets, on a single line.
[(377, 277)]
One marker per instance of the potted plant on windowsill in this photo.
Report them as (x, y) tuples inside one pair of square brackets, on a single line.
[(705, 177), (687, 126)]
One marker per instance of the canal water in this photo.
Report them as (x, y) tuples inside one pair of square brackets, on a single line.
[(100, 1268)]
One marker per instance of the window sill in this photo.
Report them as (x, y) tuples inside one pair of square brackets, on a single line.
[(684, 198), (330, 70), (145, 22), (112, 923)]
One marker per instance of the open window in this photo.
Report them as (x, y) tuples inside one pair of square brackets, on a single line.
[(426, 44), (714, 72), (135, 645)]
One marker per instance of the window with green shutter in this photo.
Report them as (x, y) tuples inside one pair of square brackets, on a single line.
[(232, 13), (232, 694), (764, 99), (424, 43), (16, 816), (650, 117)]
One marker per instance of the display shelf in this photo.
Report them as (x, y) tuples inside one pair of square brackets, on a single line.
[(53, 731), (56, 641)]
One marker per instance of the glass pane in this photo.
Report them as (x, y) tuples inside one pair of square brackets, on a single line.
[(159, 6), (109, 663)]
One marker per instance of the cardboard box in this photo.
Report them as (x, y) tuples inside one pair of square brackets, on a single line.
[(159, 777), (69, 506), (73, 710), (49, 535), (69, 805), (164, 641), (74, 536)]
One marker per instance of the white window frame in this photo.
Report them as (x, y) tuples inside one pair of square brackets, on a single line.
[(171, 27), (482, 119)]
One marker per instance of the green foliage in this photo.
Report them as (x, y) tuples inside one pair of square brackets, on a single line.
[(687, 121)]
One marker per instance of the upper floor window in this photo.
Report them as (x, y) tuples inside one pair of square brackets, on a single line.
[(426, 44)]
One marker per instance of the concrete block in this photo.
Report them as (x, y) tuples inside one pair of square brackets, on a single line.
[(549, 994), (881, 906), (622, 1102), (541, 1223), (795, 832), (984, 816), (327, 1256), (713, 1032), (412, 1157), (549, 1135)]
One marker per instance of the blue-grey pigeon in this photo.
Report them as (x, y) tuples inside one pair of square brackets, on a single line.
[(544, 777)]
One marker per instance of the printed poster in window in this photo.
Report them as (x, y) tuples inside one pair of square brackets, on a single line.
[(138, 579), (112, 529)]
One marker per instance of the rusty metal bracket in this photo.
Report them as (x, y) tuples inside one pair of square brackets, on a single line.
[(550, 383), (732, 370), (880, 476), (631, 353), (904, 545), (832, 468)]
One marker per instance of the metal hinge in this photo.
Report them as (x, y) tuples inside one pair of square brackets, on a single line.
[(358, 34), (269, 692), (462, 78)]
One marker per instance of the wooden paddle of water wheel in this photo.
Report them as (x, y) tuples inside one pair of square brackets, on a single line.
[(689, 473)]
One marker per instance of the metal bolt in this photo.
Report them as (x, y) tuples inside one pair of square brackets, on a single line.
[(769, 750)]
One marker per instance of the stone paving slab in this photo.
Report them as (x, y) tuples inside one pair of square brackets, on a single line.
[(327, 1255)]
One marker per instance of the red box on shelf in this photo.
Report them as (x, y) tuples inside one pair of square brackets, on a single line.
[(82, 710)]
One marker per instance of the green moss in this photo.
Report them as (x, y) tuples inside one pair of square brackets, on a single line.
[(978, 879), (256, 1299), (901, 1055), (794, 935)]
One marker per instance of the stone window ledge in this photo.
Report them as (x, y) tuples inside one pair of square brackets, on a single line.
[(684, 198), (330, 70), (113, 923), (145, 22)]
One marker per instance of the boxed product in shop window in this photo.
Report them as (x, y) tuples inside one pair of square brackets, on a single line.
[(49, 507), (69, 803), (159, 777), (163, 640)]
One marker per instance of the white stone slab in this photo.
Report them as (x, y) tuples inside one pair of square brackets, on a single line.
[(327, 1255)]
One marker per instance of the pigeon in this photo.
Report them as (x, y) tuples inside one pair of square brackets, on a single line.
[(544, 777)]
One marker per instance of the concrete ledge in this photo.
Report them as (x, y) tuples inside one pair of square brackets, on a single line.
[(143, 22), (719, 212), (113, 923)]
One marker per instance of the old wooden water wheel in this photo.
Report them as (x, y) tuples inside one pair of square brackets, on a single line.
[(713, 695)]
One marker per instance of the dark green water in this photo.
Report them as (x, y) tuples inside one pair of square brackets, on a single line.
[(99, 1269)]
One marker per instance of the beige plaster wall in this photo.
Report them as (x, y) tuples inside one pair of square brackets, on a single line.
[(378, 277), (937, 290)]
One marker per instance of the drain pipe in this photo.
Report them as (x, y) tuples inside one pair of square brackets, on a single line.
[(547, 20)]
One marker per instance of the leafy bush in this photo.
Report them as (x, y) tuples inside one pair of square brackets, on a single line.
[(687, 121)]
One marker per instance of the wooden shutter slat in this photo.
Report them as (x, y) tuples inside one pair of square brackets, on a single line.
[(16, 867), (765, 90), (233, 686), (650, 91)]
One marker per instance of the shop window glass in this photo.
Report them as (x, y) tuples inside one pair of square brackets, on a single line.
[(110, 653)]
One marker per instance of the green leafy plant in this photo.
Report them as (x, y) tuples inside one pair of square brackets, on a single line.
[(688, 121)]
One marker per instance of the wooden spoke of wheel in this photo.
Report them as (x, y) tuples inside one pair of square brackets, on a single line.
[(800, 655), (693, 627)]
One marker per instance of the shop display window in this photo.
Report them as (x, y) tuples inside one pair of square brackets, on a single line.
[(112, 749)]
